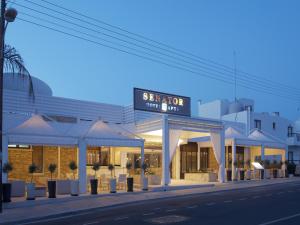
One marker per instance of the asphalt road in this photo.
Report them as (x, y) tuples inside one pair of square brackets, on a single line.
[(275, 204)]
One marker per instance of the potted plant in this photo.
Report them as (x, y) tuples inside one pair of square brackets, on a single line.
[(286, 173), (31, 186), (275, 171), (229, 172), (94, 182), (267, 168), (291, 169), (51, 183), (129, 178), (248, 172), (7, 168), (112, 180), (242, 171), (74, 183), (234, 177), (145, 179)]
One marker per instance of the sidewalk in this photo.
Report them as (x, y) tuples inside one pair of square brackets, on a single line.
[(25, 210)]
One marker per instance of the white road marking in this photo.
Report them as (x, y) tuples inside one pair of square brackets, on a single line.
[(192, 207), (121, 218), (255, 197), (211, 203), (148, 214), (228, 201), (243, 199), (171, 210), (91, 223), (281, 219)]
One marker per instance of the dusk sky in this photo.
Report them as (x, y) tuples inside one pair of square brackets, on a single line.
[(264, 34)]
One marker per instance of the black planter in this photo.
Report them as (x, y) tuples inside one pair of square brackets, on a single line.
[(6, 192), (262, 174), (94, 186), (129, 184), (229, 174), (51, 189), (275, 173), (242, 175)]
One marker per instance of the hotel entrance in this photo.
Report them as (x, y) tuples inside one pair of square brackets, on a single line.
[(188, 159)]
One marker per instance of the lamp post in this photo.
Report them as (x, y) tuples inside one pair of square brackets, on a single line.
[(8, 15)]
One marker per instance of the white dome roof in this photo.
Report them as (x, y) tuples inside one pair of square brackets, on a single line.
[(19, 83)]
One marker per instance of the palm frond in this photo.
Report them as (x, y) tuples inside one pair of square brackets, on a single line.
[(14, 64)]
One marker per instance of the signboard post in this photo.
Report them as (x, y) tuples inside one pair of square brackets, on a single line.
[(153, 101)]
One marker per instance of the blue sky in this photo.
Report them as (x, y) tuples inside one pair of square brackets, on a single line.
[(264, 34)]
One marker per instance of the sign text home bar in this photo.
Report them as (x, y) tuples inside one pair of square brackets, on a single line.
[(154, 101)]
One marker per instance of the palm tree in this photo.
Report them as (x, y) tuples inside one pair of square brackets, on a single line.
[(14, 64)]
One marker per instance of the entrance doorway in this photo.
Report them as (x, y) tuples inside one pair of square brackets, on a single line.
[(188, 158)]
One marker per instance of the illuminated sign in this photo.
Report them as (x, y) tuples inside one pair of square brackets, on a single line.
[(154, 101)]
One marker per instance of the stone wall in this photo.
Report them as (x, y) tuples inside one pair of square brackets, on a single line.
[(22, 158)]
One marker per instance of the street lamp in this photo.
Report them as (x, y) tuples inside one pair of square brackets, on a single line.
[(8, 15)]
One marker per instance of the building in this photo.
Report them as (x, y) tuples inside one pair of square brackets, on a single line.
[(241, 113), (48, 129)]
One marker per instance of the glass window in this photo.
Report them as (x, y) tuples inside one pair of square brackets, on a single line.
[(98, 154), (257, 124), (290, 131), (291, 157), (274, 126), (37, 158)]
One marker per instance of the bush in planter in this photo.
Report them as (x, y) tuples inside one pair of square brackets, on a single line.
[(248, 172), (228, 171), (31, 186), (242, 171), (51, 183), (144, 167), (275, 171), (112, 181), (94, 182), (7, 168), (291, 168), (234, 172), (129, 178), (74, 183)]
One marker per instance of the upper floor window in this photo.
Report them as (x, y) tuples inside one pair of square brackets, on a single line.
[(290, 131), (274, 126), (257, 124)]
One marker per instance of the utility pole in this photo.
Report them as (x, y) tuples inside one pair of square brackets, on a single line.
[(2, 31)]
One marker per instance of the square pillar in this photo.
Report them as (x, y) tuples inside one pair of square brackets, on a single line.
[(82, 146), (4, 156), (142, 161), (165, 152), (234, 173)]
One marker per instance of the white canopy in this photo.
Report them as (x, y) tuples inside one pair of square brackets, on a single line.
[(255, 138), (39, 130)]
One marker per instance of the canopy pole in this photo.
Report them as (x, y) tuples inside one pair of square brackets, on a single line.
[(82, 166)]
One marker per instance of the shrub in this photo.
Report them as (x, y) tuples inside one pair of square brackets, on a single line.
[(51, 169), (32, 169), (73, 167), (7, 168), (96, 167)]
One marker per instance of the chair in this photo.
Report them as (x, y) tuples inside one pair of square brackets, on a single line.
[(104, 182), (121, 181)]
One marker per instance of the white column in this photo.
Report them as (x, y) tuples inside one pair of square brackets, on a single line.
[(262, 154), (234, 177), (165, 152), (142, 161), (5, 156), (198, 157), (82, 166), (222, 161)]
